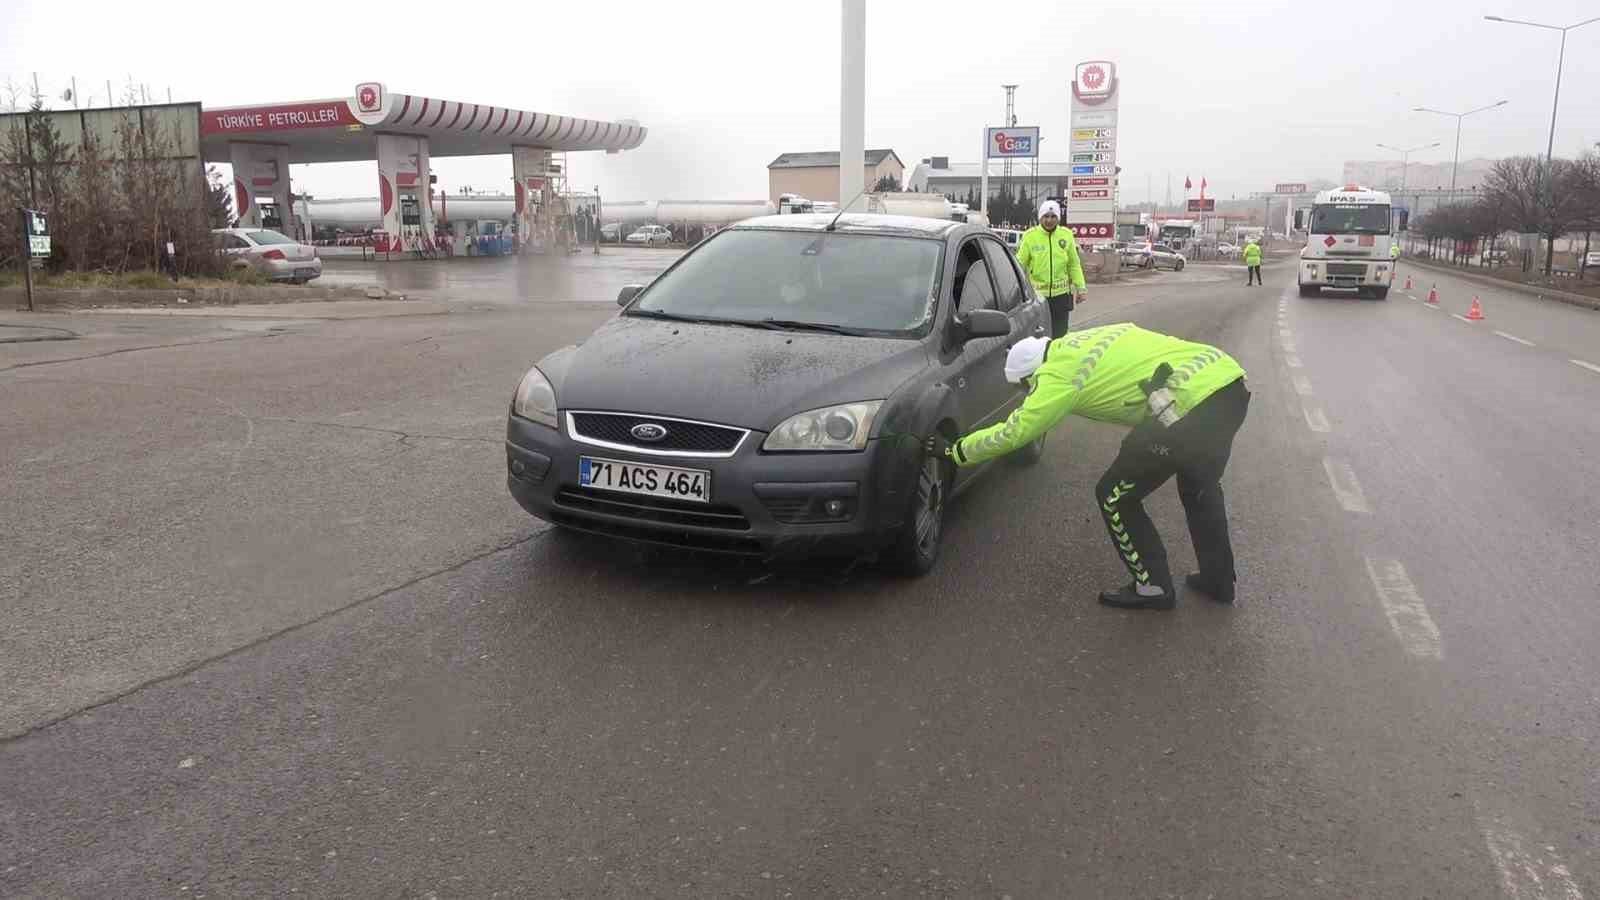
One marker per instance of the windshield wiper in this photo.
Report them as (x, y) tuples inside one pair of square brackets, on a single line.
[(673, 317), (794, 325)]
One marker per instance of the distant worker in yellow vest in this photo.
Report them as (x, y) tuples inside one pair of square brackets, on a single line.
[(1049, 254), (1252, 260)]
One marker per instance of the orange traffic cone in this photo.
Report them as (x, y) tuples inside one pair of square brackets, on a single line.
[(1475, 313), (1408, 282), (1433, 296)]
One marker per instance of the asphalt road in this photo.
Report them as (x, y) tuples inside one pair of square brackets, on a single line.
[(273, 626)]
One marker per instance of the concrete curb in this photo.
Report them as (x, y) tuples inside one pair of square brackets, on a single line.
[(88, 298), (1543, 293)]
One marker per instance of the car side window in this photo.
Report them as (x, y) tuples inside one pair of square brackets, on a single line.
[(234, 242), (973, 289), (1008, 286)]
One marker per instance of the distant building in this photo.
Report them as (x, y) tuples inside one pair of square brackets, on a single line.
[(938, 175), (815, 175), (1385, 175)]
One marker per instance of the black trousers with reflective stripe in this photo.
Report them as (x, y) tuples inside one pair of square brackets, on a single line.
[(1196, 450), (1060, 312)]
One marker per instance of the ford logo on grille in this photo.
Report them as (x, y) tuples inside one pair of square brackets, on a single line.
[(649, 432)]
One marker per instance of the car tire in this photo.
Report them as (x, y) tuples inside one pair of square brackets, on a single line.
[(1178, 267), (1309, 290), (915, 550)]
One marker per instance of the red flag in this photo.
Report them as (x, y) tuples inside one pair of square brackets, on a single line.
[(1187, 185)]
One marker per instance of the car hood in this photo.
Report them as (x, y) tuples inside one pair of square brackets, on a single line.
[(726, 374)]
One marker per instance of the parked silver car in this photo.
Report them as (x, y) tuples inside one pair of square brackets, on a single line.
[(1155, 256), (650, 235), (277, 256)]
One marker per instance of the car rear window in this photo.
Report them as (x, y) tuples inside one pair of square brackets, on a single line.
[(870, 283)]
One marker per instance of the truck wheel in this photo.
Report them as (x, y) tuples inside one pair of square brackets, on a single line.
[(1380, 293), (1309, 290), (915, 550)]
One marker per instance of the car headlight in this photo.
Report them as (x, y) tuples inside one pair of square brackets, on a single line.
[(842, 427), (536, 399)]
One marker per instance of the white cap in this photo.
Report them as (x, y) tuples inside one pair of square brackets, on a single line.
[(1051, 208), (1025, 357)]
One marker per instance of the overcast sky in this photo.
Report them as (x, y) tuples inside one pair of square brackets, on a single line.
[(1244, 94)]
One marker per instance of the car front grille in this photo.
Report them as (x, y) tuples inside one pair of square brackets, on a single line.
[(640, 519), (659, 510), (681, 436)]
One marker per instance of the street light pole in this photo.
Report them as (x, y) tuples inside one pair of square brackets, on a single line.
[(1455, 160), (1555, 104), (1405, 159)]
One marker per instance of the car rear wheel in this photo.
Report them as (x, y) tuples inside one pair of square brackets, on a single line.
[(916, 547)]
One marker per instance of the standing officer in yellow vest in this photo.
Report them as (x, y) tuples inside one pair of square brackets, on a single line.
[(1049, 254)]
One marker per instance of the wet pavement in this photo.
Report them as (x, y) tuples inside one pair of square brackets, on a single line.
[(273, 626), (584, 277)]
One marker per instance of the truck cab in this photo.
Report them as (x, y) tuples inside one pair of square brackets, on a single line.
[(1349, 235)]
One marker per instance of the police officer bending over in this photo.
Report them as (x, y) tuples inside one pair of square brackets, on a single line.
[(1184, 403)]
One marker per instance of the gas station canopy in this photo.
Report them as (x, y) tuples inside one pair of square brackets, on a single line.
[(342, 129)]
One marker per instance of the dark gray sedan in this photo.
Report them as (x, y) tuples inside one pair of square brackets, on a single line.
[(770, 394)]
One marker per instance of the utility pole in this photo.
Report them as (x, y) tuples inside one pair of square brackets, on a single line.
[(1009, 120), (852, 101)]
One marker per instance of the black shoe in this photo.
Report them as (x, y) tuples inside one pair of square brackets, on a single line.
[(1220, 595), (1129, 598)]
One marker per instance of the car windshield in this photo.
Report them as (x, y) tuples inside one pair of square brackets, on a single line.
[(866, 283), (268, 236), (1350, 218)]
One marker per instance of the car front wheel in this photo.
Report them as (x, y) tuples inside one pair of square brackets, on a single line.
[(1178, 267), (916, 548)]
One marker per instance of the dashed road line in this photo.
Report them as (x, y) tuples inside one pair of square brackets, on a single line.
[(1292, 360), (1302, 386), (1345, 486), (1288, 346), (1512, 337), (1461, 317), (1587, 365), (1407, 614), (1528, 873), (1316, 420), (1427, 305)]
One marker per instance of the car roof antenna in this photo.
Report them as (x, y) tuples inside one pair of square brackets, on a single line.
[(843, 207)]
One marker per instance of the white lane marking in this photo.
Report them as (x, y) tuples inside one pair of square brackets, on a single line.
[(1512, 337), (1587, 365), (1302, 386), (1536, 874), (1407, 614), (1288, 346), (1292, 360), (1461, 317), (1345, 485), (1316, 420), (1427, 305)]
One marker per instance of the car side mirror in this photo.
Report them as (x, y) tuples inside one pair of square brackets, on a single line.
[(1299, 220), (628, 292), (984, 323), (1405, 219)]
